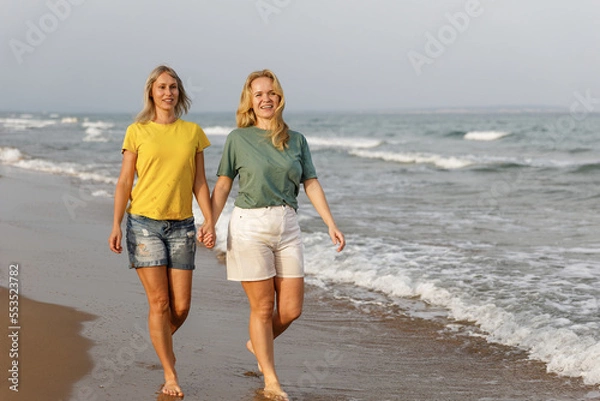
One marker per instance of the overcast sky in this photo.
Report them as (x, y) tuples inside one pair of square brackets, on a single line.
[(95, 55)]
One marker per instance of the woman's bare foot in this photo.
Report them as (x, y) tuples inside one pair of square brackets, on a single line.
[(171, 387), (251, 349), (273, 390), (275, 393)]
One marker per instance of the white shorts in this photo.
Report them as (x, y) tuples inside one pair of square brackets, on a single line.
[(263, 243)]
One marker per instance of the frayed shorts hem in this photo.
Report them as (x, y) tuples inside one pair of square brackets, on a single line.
[(164, 263)]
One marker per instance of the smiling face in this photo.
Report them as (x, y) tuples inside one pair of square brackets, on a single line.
[(264, 101), (165, 92)]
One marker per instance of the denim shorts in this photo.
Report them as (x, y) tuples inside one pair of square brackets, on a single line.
[(263, 243), (170, 243)]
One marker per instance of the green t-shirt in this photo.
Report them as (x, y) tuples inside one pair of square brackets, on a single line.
[(268, 176)]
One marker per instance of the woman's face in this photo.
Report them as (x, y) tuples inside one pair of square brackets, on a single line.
[(165, 92), (264, 98)]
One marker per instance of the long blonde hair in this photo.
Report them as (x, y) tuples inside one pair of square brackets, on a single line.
[(148, 113), (245, 116)]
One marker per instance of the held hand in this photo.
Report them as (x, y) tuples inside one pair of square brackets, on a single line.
[(114, 240), (337, 238), (200, 236), (206, 235)]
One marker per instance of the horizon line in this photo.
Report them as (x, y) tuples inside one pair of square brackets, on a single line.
[(415, 110)]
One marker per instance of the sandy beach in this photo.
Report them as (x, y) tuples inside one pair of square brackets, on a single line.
[(83, 336)]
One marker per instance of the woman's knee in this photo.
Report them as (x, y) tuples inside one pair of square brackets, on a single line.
[(263, 310), (159, 303), (180, 312), (289, 314)]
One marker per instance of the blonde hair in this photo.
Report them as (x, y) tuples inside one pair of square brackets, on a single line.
[(245, 116), (148, 113)]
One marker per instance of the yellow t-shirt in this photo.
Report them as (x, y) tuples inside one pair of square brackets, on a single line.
[(165, 167)]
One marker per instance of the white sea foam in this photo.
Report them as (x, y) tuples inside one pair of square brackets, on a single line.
[(69, 120), (22, 124), (577, 250), (485, 135), (94, 130), (448, 163), (14, 157), (10, 155), (344, 143), (102, 194), (69, 169), (103, 125), (395, 271), (93, 134), (218, 130)]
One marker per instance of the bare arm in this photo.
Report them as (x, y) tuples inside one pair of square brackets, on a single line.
[(202, 194), (316, 195), (220, 194), (122, 194)]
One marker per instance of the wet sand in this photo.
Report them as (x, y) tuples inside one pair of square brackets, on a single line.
[(58, 235), (43, 354)]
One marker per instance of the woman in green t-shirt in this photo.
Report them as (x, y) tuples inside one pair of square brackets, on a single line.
[(264, 245), (166, 154)]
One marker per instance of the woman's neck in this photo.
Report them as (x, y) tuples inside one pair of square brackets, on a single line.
[(263, 124), (164, 117)]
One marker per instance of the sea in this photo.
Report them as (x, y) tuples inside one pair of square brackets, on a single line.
[(488, 222)]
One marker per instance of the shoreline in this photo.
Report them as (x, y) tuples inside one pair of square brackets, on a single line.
[(334, 351), (46, 353)]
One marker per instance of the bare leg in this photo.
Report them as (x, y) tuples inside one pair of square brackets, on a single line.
[(289, 293), (290, 297), (261, 296), (180, 295), (158, 289)]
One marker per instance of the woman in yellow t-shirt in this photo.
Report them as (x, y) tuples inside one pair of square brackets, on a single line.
[(166, 154)]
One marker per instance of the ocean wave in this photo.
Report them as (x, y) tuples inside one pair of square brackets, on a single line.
[(580, 150), (94, 130), (499, 166), (457, 134), (394, 271), (93, 134), (587, 168), (22, 124), (344, 143), (101, 125), (485, 135), (14, 157), (10, 155), (101, 193), (481, 163), (448, 163), (218, 130)]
